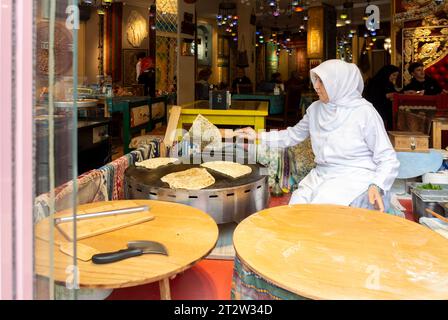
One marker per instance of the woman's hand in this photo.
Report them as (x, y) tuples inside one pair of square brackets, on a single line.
[(246, 133), (375, 198)]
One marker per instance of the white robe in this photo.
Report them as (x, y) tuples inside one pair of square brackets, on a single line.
[(349, 158), (350, 144)]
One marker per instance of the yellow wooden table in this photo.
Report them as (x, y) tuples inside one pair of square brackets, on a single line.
[(438, 124), (188, 234), (241, 113), (334, 252)]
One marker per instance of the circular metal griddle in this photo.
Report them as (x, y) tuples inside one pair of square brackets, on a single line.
[(228, 200)]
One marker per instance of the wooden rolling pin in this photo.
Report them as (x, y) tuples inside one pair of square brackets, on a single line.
[(437, 215)]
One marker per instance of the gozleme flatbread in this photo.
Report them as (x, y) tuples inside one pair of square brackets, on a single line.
[(193, 179), (206, 132), (232, 169), (155, 163)]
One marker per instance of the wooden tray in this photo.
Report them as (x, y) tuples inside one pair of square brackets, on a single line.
[(93, 227)]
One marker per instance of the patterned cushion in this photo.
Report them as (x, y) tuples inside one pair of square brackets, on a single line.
[(302, 160), (247, 285), (142, 141)]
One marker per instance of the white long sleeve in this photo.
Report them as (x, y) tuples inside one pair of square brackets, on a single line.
[(384, 155), (289, 137)]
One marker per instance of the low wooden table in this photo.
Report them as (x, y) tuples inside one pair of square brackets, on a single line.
[(438, 124), (241, 113), (188, 234), (335, 252)]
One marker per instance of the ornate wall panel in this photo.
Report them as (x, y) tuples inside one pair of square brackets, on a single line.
[(427, 44)]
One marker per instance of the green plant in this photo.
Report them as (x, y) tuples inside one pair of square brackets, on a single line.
[(429, 186)]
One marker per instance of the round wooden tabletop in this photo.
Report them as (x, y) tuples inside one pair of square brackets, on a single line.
[(335, 252), (188, 234)]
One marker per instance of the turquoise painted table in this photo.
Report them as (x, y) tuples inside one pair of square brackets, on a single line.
[(138, 114), (276, 102)]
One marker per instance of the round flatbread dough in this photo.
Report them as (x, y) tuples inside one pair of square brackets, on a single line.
[(193, 179), (155, 163), (232, 169)]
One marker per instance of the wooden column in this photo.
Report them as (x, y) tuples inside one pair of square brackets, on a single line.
[(101, 44), (114, 31), (185, 64), (152, 43), (321, 34)]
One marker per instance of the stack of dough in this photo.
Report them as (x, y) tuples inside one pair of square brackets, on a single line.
[(206, 132), (193, 179), (155, 163), (232, 169)]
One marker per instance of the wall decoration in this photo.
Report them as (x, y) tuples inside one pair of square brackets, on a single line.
[(136, 29), (409, 10), (63, 48), (166, 63), (315, 30), (427, 44), (129, 65)]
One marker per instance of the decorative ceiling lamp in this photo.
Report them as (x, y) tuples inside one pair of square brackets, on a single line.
[(346, 13), (227, 18), (297, 5), (275, 8)]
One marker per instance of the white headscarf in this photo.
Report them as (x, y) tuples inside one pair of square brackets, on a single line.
[(344, 85)]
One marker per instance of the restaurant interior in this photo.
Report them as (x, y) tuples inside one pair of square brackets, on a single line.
[(129, 79)]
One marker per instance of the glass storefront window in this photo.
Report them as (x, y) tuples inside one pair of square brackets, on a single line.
[(56, 25)]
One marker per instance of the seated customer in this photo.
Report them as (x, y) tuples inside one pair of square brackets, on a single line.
[(147, 76), (276, 79), (202, 85), (421, 83), (240, 79), (296, 80)]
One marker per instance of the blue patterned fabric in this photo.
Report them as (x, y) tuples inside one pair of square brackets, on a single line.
[(247, 285)]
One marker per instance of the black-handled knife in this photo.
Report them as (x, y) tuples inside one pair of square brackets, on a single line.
[(111, 257), (135, 249)]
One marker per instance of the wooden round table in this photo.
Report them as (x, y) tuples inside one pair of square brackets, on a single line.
[(335, 252), (188, 234)]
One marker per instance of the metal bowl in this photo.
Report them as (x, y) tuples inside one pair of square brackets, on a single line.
[(85, 103)]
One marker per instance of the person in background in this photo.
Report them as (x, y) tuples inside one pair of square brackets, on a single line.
[(380, 92), (268, 87), (148, 76), (276, 78), (296, 80), (138, 67), (240, 79), (202, 85), (356, 164), (421, 83)]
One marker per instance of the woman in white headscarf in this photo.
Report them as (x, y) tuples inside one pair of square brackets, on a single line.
[(356, 163)]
